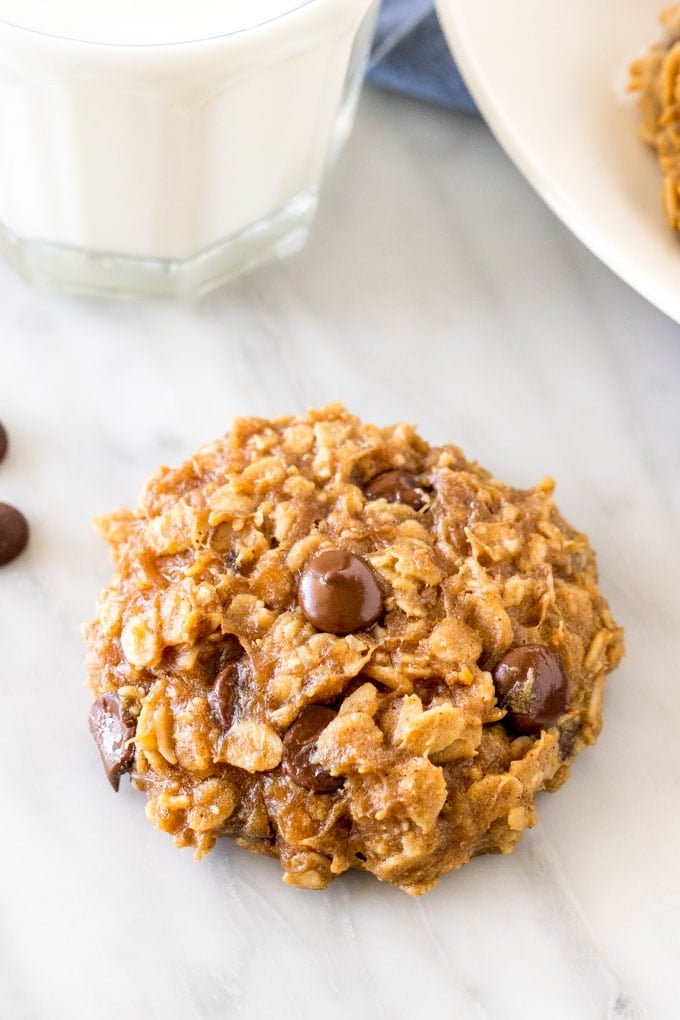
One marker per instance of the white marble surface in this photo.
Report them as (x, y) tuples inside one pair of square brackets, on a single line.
[(437, 289)]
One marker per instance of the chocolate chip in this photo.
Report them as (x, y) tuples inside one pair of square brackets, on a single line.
[(396, 486), (212, 656), (3, 441), (235, 670), (13, 533), (428, 688), (230, 648), (112, 727), (532, 685), (566, 744), (299, 745), (338, 592), (224, 696)]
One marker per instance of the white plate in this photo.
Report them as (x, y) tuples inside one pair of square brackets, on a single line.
[(550, 79)]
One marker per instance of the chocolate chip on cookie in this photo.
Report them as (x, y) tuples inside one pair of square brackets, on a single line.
[(299, 745), (13, 533), (396, 486), (338, 592), (232, 665), (113, 729), (217, 655), (532, 685), (224, 696)]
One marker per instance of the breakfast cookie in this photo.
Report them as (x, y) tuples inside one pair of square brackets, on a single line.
[(656, 77), (345, 648)]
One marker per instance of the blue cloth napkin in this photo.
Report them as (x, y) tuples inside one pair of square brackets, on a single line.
[(411, 55)]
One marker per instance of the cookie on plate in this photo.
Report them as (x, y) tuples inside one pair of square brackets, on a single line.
[(656, 78), (346, 648)]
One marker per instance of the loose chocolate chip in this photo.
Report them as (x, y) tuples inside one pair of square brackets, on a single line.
[(396, 486), (224, 696), (531, 683), (13, 533), (112, 727), (299, 745), (3, 441), (338, 592)]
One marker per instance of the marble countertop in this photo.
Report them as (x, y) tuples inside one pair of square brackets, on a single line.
[(437, 289)]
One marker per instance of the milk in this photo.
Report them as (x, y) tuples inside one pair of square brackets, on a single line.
[(160, 146)]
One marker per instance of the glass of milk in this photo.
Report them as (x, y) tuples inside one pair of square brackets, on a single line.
[(160, 147)]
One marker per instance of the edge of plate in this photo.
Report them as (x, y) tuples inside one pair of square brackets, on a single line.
[(569, 214)]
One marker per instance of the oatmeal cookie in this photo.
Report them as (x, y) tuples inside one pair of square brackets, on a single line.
[(345, 648), (656, 77)]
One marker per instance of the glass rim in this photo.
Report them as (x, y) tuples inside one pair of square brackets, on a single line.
[(165, 44)]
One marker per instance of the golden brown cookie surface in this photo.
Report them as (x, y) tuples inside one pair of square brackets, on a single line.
[(460, 672), (656, 79)]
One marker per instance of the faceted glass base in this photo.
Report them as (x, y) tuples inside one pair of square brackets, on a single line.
[(86, 272)]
